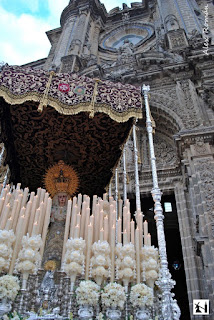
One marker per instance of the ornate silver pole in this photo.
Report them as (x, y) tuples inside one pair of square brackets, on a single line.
[(109, 190), (137, 184), (116, 199), (6, 177), (170, 309), (116, 191), (124, 175), (1, 155)]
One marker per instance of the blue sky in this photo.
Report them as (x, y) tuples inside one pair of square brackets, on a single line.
[(23, 24)]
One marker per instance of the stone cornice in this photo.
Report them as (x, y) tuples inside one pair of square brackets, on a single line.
[(185, 139)]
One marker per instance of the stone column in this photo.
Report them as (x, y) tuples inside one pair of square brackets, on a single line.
[(192, 263), (63, 42), (197, 152), (95, 38), (80, 30)]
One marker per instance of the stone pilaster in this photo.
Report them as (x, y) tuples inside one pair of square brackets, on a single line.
[(197, 152)]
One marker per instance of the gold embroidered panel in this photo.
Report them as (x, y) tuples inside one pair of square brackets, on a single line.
[(35, 141), (69, 93)]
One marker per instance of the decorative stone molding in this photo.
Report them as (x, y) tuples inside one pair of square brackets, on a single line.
[(206, 171)]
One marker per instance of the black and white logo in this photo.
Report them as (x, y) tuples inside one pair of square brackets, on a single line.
[(200, 307)]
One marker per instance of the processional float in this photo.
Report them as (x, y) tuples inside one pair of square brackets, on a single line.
[(77, 255)]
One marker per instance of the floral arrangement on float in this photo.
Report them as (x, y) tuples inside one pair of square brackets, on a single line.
[(113, 296), (125, 263), (29, 257), (141, 296), (87, 293), (7, 238), (9, 287), (74, 259), (87, 296), (100, 261), (149, 265)]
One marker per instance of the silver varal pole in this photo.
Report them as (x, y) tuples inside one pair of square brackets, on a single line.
[(6, 177), (170, 309), (137, 184), (124, 175), (116, 199), (1, 155)]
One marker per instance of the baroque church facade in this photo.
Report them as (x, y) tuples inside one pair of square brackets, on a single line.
[(167, 45)]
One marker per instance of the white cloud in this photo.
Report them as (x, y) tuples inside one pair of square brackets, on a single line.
[(23, 38), (32, 5)]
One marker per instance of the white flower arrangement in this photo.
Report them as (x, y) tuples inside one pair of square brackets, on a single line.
[(7, 238), (149, 264), (29, 257), (149, 252), (113, 295), (100, 261), (101, 247), (9, 287), (141, 295), (87, 293), (74, 259), (125, 263), (75, 244)]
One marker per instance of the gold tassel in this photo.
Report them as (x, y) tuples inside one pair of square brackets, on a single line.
[(44, 102), (93, 100)]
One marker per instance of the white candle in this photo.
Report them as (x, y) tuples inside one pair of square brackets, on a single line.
[(46, 224), (94, 203), (4, 216), (140, 227), (83, 217), (27, 215), (128, 217), (106, 228), (101, 219), (149, 239), (88, 250), (132, 232), (96, 222), (1, 205), (87, 217), (137, 254), (119, 231), (73, 217), (32, 214), (17, 245), (79, 202), (67, 227), (8, 224), (120, 208), (125, 238), (18, 211), (112, 253), (145, 227), (76, 231), (101, 234)]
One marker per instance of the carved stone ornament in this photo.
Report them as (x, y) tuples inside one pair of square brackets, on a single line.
[(206, 171), (177, 39)]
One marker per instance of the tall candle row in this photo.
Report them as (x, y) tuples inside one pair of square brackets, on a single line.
[(24, 216)]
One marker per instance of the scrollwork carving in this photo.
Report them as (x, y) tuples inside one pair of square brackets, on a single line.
[(206, 171)]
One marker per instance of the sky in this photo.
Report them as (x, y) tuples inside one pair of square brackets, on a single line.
[(23, 24)]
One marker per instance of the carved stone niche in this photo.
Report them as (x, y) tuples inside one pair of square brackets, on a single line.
[(177, 39), (70, 63)]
